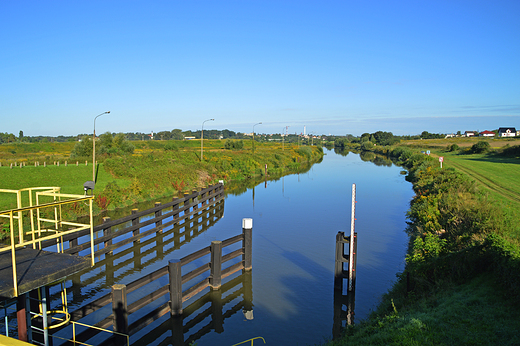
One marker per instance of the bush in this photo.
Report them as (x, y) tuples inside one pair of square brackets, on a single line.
[(480, 147), (453, 147), (171, 146), (233, 145)]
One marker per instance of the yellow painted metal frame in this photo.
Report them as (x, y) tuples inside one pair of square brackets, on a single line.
[(250, 340), (43, 226)]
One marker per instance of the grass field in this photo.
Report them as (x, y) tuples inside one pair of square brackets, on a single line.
[(70, 178), (461, 142), (499, 176)]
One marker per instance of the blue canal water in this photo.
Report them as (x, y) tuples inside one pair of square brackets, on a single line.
[(295, 221), (289, 293)]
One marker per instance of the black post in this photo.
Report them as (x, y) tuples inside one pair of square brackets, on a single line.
[(215, 279), (354, 262), (339, 260), (247, 230), (174, 270)]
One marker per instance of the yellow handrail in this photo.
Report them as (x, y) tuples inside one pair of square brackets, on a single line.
[(37, 230), (253, 339)]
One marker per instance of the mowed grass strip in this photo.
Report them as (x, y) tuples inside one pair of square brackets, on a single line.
[(499, 175), (70, 178)]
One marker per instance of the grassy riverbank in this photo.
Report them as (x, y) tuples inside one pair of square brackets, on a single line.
[(461, 283), (156, 169)]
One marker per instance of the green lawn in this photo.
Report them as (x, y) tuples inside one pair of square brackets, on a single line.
[(498, 175), (70, 178)]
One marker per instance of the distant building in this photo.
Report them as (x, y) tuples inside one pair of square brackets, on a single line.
[(506, 132), (487, 134), (470, 133)]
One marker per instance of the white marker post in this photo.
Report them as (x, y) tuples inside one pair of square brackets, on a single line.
[(441, 159), (351, 242)]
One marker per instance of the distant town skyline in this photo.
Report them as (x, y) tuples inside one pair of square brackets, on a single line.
[(335, 67)]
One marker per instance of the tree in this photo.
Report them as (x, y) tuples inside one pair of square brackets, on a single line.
[(20, 136), (83, 148)]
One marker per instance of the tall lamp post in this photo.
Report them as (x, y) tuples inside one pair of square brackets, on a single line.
[(202, 139), (94, 148), (254, 136), (283, 137)]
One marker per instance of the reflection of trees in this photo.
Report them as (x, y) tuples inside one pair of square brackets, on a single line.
[(237, 188), (341, 151), (367, 156), (382, 161)]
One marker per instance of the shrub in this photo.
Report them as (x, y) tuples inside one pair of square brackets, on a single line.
[(453, 147), (480, 147), (171, 146), (233, 145)]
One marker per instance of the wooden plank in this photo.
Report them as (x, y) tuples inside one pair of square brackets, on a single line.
[(36, 268), (196, 272), (190, 292)]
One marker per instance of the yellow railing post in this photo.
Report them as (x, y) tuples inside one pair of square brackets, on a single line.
[(91, 233), (13, 255)]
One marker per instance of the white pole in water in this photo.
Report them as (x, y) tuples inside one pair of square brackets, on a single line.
[(351, 242)]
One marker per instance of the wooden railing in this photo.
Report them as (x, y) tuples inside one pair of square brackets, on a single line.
[(169, 298), (132, 228)]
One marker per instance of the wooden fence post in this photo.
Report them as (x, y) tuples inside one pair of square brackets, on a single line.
[(215, 279), (120, 308), (175, 208), (247, 230), (174, 271), (158, 214), (135, 221), (106, 232)]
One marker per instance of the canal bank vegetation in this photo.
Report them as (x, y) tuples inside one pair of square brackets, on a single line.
[(461, 283), (153, 169)]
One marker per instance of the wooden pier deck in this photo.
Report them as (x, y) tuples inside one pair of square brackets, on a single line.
[(36, 268)]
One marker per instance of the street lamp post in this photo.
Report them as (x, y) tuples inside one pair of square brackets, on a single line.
[(94, 148), (202, 139), (283, 137), (254, 136)]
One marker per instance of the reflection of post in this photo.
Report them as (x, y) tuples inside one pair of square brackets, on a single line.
[(217, 317), (248, 294), (340, 274), (341, 315)]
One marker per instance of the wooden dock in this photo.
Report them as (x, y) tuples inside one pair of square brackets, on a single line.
[(36, 268)]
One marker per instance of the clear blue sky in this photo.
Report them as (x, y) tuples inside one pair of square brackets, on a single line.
[(335, 67)]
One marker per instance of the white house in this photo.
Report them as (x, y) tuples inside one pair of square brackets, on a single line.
[(487, 134), (470, 133), (506, 132)]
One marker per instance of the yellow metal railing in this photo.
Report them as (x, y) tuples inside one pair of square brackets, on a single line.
[(43, 228), (74, 324), (250, 340)]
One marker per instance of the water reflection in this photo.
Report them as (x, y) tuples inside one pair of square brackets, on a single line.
[(138, 258), (205, 315)]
